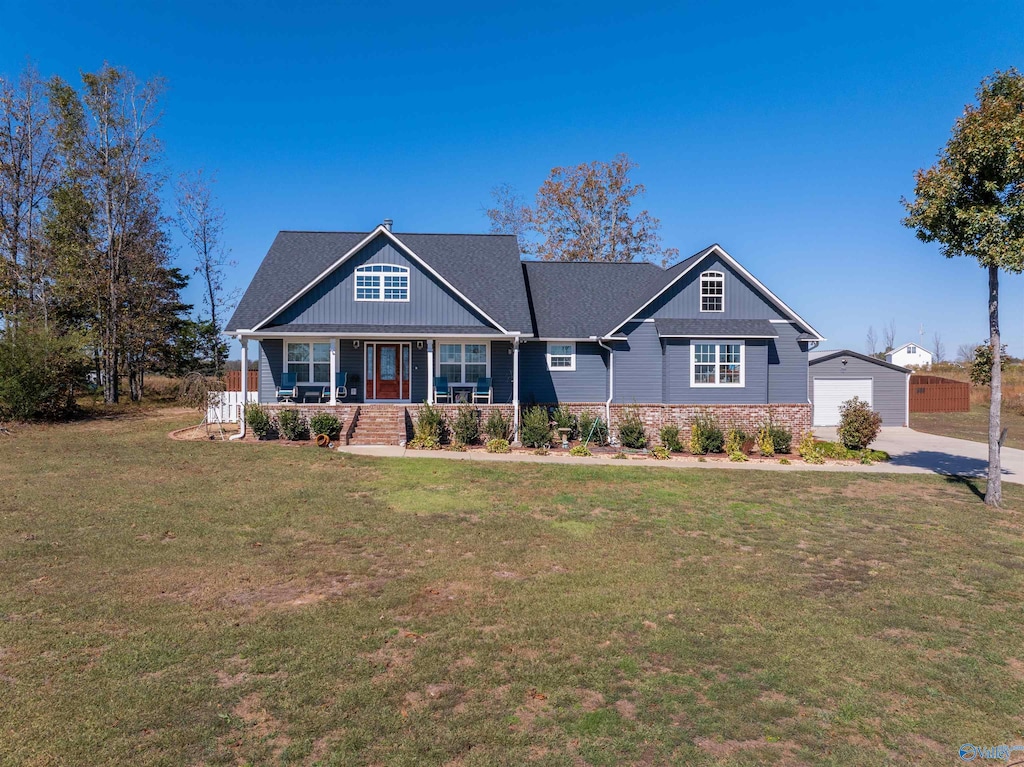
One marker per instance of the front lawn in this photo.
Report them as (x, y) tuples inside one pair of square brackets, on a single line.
[(166, 602), (972, 425)]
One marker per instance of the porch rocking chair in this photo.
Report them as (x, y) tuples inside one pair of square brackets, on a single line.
[(441, 390), (288, 389)]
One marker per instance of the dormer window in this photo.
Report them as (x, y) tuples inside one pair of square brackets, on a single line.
[(382, 282), (712, 292)]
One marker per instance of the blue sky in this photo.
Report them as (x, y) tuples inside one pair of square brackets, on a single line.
[(785, 132)]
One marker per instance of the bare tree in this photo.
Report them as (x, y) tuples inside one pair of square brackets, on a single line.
[(511, 214), (938, 348), (201, 220), (28, 168), (872, 341), (965, 353), (889, 335)]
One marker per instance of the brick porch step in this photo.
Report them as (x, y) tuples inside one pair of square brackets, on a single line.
[(379, 426)]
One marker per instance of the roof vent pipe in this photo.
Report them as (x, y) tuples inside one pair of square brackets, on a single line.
[(388, 223)]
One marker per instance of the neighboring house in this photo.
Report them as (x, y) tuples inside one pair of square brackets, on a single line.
[(910, 355), (394, 311), (833, 377)]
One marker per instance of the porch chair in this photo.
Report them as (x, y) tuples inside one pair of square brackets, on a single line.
[(482, 392), (288, 389), (441, 390), (340, 385)]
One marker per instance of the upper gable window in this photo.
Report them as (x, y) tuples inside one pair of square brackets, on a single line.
[(911, 350), (712, 292), (382, 282)]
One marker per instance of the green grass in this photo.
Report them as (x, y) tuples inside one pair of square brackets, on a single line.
[(169, 603), (972, 425)]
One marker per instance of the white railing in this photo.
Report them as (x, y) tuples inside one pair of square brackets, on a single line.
[(227, 406)]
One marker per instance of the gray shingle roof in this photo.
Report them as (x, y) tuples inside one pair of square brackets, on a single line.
[(704, 328), (439, 330), (815, 359), (483, 267)]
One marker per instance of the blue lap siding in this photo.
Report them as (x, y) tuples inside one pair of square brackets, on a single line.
[(588, 383)]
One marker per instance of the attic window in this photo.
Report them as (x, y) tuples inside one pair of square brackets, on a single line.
[(382, 282), (911, 350), (712, 292)]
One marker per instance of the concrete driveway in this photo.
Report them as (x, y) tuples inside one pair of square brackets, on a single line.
[(941, 455)]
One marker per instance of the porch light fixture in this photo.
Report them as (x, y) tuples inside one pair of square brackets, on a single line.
[(844, 361), (355, 344), (419, 344)]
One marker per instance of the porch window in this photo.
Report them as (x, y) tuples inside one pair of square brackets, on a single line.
[(462, 363), (712, 292), (310, 362), (716, 364), (561, 356), (382, 282)]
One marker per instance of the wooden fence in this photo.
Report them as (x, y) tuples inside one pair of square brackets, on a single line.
[(227, 406), (932, 394), (233, 380)]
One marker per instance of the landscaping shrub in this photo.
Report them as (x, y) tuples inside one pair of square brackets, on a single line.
[(498, 446), (765, 445), (466, 428), (660, 452), (631, 430), (325, 423), (593, 429), (705, 434), (808, 449), (566, 419), (292, 425), (780, 437), (580, 450), (670, 438), (39, 373), (734, 439), (535, 430), (858, 424), (258, 420), (430, 429), (498, 426)]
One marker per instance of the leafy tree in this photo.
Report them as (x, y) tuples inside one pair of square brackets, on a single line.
[(971, 202), (981, 364), (582, 213)]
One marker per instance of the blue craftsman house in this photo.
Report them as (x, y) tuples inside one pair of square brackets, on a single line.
[(372, 324)]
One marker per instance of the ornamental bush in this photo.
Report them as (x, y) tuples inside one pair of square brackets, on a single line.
[(858, 424), (466, 428), (563, 418), (661, 453), (705, 434), (292, 425), (593, 429), (581, 451), (40, 373), (430, 424), (498, 446), (631, 430), (670, 438), (258, 420), (535, 431), (325, 423), (498, 426)]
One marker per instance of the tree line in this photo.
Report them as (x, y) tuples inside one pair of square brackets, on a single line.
[(88, 285)]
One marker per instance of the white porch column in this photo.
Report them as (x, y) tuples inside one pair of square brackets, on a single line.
[(245, 387), (515, 389), (334, 371), (430, 371)]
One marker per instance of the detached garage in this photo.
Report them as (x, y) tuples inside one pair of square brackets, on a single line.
[(836, 376)]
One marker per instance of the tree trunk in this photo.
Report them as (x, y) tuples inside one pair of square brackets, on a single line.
[(994, 491)]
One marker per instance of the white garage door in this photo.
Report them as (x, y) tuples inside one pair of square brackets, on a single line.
[(830, 393)]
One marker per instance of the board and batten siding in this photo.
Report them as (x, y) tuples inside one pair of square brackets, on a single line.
[(742, 300), (332, 300), (271, 362), (889, 387), (678, 390), (787, 366), (587, 383)]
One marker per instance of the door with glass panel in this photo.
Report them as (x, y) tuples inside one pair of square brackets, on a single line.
[(388, 371)]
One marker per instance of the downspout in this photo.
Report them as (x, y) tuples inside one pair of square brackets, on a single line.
[(611, 384), (245, 388)]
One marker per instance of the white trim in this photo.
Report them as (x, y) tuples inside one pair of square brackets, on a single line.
[(572, 357), (380, 230), (286, 362), (718, 363), (399, 269), (734, 263), (459, 340), (705, 335), (400, 400), (711, 274), (359, 336), (910, 343)]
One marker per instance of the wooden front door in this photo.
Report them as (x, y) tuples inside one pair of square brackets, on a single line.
[(388, 371)]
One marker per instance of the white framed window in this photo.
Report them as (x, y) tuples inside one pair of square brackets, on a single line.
[(561, 355), (717, 363), (309, 361), (462, 363), (382, 282), (911, 350), (712, 292)]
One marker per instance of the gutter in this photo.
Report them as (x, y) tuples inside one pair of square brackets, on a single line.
[(611, 384)]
